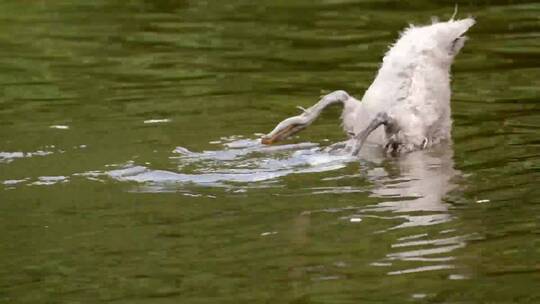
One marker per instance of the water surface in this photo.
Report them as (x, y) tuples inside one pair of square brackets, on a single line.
[(131, 171)]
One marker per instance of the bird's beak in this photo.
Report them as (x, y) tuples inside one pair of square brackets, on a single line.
[(290, 126), (281, 134)]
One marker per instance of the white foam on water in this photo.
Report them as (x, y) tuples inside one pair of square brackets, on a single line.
[(7, 157), (10, 156), (50, 180), (59, 127), (241, 160), (155, 121)]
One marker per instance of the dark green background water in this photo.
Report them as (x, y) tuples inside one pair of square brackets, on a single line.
[(101, 199)]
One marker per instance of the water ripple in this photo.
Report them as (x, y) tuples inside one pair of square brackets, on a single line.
[(242, 161)]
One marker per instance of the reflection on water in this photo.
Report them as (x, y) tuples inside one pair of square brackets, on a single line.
[(412, 187)]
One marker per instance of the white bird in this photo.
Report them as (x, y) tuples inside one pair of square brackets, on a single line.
[(410, 95)]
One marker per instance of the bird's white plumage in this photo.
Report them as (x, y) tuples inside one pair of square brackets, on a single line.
[(413, 85), (412, 88)]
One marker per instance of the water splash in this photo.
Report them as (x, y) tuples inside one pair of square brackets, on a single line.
[(241, 161)]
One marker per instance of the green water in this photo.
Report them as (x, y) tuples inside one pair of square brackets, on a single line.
[(130, 170)]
